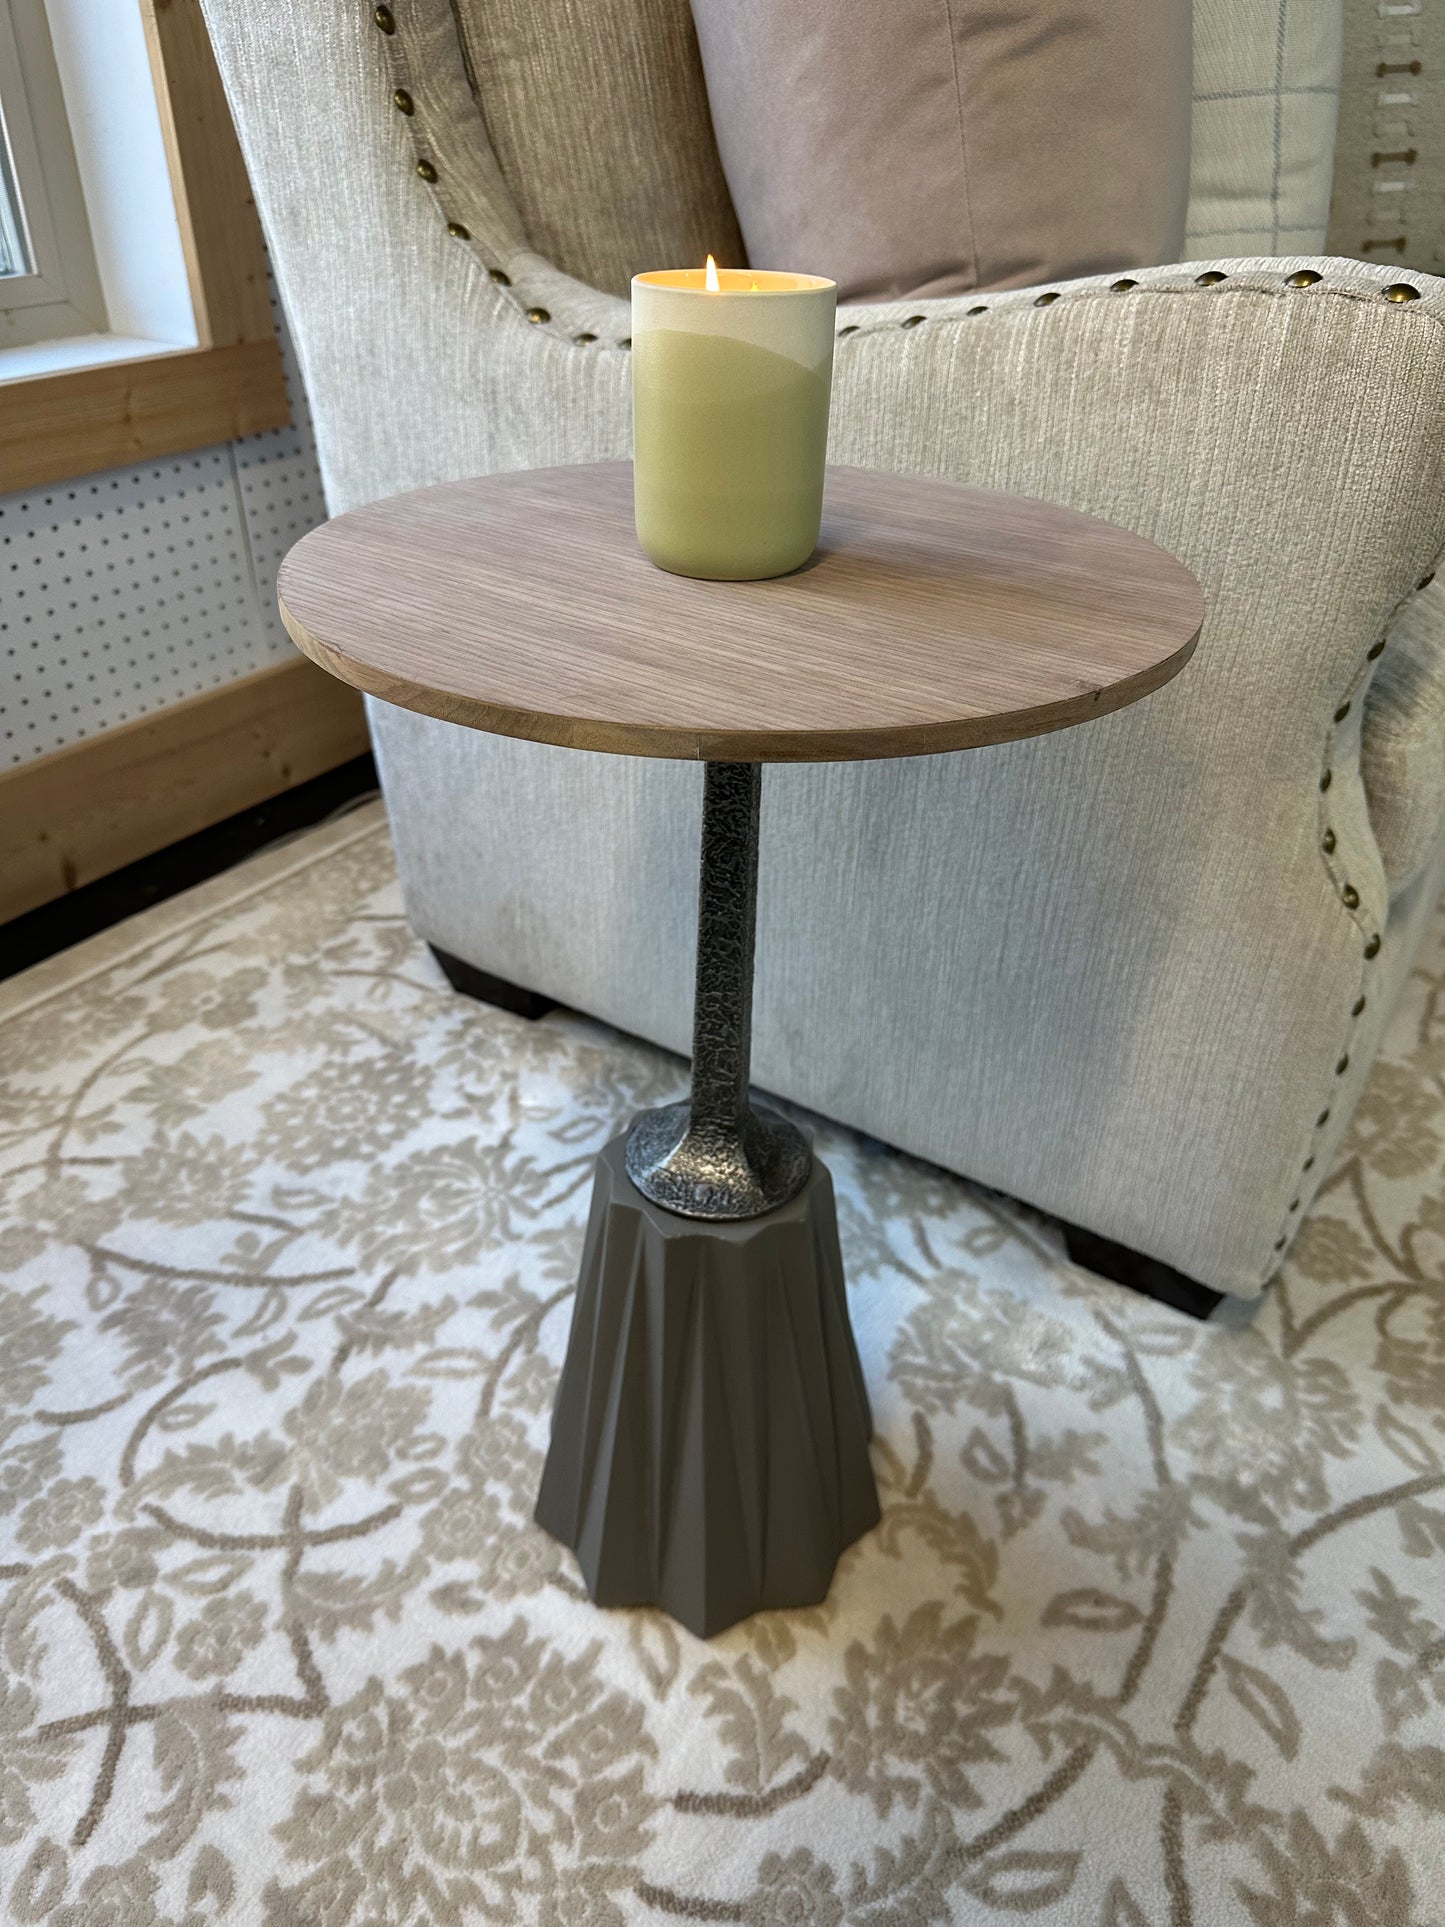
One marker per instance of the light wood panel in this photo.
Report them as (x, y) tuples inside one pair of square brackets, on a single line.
[(220, 233), (934, 617), (78, 814), (120, 413), (74, 422)]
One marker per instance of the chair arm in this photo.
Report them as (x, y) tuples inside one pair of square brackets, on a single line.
[(1402, 751)]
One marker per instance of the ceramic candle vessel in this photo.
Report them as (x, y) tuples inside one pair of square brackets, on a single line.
[(731, 375)]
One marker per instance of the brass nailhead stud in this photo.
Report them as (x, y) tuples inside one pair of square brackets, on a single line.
[(1303, 278), (582, 340), (978, 310), (912, 321), (502, 279), (403, 101), (1323, 1119), (536, 315), (1402, 291), (1211, 279), (1043, 300), (1308, 1164), (1279, 1244), (1326, 780), (384, 20), (1375, 649), (626, 343), (1343, 1065), (1342, 712), (1294, 1204), (1327, 842), (1372, 948), (458, 232), (1425, 580), (426, 170), (1122, 287), (1357, 1007), (851, 329), (1350, 897)]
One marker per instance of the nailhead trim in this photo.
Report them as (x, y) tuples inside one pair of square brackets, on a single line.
[(385, 20), (1349, 895), (502, 278)]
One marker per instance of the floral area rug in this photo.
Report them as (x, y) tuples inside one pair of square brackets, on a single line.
[(1152, 1631)]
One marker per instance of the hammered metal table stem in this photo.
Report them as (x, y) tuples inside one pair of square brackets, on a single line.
[(714, 1155)]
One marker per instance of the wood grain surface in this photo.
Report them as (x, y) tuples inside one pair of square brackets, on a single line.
[(933, 617), (85, 810)]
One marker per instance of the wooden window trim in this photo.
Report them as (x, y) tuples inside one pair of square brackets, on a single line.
[(80, 812), (121, 413)]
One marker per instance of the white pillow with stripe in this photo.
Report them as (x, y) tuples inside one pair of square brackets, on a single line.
[(1266, 99)]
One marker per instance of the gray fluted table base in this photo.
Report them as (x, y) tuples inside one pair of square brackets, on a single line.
[(709, 1448), (710, 1440)]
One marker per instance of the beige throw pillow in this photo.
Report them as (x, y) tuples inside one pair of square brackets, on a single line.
[(926, 147)]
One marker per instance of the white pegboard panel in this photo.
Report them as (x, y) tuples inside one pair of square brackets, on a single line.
[(123, 592), (280, 486)]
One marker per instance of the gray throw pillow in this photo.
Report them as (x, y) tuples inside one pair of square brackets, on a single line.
[(926, 147)]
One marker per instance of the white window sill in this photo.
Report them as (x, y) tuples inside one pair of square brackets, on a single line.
[(80, 351)]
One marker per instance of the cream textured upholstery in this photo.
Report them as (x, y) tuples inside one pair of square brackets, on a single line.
[(1133, 973)]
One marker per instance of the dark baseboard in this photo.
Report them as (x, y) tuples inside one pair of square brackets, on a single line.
[(67, 920), (1141, 1274), (488, 989)]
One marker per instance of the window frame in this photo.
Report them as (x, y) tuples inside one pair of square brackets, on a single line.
[(59, 292), (128, 401)]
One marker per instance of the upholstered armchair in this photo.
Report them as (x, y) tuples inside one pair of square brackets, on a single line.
[(1133, 974)]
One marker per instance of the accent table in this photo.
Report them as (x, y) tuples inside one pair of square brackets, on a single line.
[(709, 1440)]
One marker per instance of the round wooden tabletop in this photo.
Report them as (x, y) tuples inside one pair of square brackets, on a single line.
[(933, 617)]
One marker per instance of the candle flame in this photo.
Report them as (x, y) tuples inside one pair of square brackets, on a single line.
[(712, 280)]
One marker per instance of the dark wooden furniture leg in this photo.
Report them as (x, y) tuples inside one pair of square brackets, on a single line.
[(488, 989), (1147, 1275)]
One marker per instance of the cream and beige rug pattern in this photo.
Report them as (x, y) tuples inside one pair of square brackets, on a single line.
[(1152, 1633)]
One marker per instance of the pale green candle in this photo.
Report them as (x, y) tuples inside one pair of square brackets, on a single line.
[(730, 387)]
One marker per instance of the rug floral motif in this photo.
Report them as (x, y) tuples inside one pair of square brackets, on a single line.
[(1152, 1630)]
